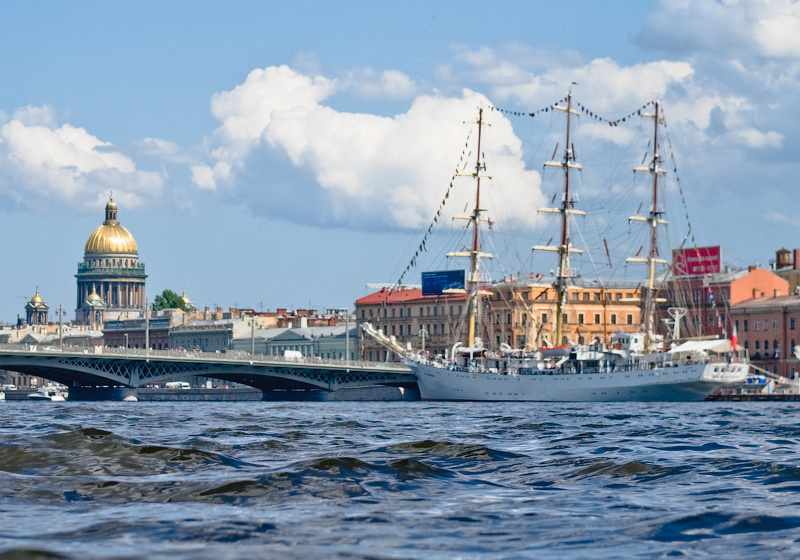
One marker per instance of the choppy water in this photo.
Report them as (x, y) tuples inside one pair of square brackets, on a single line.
[(399, 480)]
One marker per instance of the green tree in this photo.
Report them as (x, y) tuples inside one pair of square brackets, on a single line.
[(168, 300)]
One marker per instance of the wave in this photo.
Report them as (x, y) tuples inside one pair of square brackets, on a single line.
[(710, 525), (91, 451), (453, 450)]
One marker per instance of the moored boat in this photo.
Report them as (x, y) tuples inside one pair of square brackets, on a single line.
[(48, 393)]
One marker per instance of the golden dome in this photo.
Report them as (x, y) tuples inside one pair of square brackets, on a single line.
[(111, 237), (37, 298), (93, 296)]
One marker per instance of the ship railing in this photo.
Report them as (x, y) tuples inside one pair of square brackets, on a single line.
[(236, 356)]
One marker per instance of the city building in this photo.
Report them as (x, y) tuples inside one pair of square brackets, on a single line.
[(409, 316), (522, 312), (769, 329), (209, 336), (131, 333), (708, 297), (330, 343), (111, 280), (519, 313), (36, 310)]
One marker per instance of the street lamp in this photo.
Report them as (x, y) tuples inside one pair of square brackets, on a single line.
[(346, 313), (60, 314), (126, 345)]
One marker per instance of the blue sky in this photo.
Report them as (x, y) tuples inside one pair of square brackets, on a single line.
[(286, 154)]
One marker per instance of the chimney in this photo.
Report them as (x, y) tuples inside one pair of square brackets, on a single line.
[(796, 259), (776, 293), (751, 268)]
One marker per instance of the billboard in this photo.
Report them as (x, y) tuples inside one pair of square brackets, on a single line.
[(699, 260), (433, 283)]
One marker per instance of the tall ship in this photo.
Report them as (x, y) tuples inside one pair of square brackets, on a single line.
[(633, 367)]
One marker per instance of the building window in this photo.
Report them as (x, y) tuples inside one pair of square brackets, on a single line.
[(565, 319), (421, 311), (619, 297), (429, 311), (384, 313), (758, 345), (401, 311), (451, 310), (362, 313), (442, 328), (393, 310), (596, 318), (630, 319), (580, 318), (524, 295), (745, 325), (756, 324), (613, 318), (508, 319), (435, 329), (524, 318), (393, 329), (791, 323), (435, 311), (774, 324), (586, 296), (460, 309), (544, 318)]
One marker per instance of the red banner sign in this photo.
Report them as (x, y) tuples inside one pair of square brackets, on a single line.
[(700, 260)]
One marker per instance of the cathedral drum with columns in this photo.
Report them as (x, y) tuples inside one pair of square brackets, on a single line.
[(110, 278)]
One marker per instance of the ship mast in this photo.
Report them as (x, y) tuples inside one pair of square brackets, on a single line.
[(653, 220), (475, 255), (565, 209)]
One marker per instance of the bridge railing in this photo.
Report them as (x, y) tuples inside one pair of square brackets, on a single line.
[(229, 356)]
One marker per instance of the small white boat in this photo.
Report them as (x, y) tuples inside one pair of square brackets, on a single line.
[(49, 393)]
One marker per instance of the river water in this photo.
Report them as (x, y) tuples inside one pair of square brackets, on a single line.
[(399, 480)]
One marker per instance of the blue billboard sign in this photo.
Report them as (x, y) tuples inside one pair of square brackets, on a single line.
[(434, 283)]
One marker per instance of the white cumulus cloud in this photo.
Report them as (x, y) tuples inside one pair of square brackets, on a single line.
[(43, 165), (366, 169)]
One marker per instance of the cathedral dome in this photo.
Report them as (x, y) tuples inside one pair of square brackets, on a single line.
[(111, 237)]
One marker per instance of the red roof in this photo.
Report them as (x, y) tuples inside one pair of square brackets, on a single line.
[(403, 296)]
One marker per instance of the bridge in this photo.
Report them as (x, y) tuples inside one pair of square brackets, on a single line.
[(120, 367)]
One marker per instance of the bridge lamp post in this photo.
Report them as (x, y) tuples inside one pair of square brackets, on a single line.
[(346, 313), (126, 345), (253, 333), (60, 314), (146, 328)]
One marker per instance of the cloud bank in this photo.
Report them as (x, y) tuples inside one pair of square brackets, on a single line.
[(43, 165), (368, 170)]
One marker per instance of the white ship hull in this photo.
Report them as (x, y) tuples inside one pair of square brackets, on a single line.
[(667, 384)]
